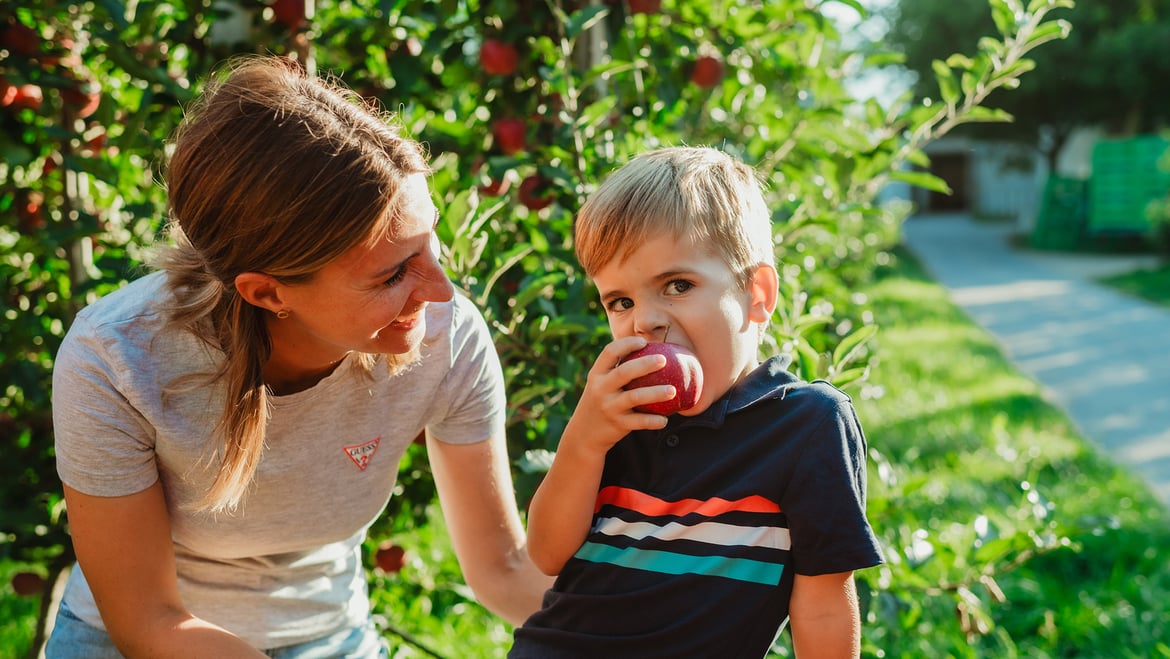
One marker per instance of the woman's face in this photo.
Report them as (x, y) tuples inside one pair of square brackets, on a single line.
[(371, 298)]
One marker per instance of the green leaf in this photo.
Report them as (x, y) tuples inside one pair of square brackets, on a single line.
[(922, 180), (597, 113), (585, 19), (1004, 17), (1049, 31), (947, 86), (846, 350)]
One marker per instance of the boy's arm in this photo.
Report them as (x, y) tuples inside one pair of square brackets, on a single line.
[(824, 618), (562, 508)]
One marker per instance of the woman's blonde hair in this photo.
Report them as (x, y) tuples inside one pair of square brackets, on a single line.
[(697, 192), (277, 171)]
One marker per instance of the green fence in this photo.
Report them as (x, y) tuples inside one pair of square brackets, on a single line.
[(1126, 178), (1060, 221), (1111, 206)]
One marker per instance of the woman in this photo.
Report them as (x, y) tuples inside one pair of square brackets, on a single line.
[(229, 426)]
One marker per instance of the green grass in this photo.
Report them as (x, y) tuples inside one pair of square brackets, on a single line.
[(17, 614), (1151, 284), (962, 438)]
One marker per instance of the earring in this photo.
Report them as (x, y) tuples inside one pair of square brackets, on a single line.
[(282, 314)]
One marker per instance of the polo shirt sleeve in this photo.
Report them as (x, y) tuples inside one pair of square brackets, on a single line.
[(825, 503)]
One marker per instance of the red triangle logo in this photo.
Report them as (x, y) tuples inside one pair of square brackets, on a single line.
[(361, 454)]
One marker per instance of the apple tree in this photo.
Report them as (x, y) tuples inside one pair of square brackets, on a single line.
[(525, 107), (1107, 73)]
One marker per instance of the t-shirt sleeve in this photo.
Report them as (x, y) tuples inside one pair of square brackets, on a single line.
[(826, 503), (104, 446), (474, 387)]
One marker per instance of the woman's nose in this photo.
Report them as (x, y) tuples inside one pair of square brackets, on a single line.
[(435, 286)]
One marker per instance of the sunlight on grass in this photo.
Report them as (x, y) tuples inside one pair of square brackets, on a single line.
[(966, 437)]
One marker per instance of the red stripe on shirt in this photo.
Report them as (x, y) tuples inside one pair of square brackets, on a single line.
[(624, 497)]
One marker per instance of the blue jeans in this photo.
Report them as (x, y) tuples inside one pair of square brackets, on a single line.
[(73, 638)]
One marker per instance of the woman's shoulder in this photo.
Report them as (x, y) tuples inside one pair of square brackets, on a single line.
[(141, 299)]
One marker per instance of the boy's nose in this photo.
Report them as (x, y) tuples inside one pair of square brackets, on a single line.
[(652, 326)]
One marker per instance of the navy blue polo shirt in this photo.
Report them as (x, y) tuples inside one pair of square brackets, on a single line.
[(699, 528)]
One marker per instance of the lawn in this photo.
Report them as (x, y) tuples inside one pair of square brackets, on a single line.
[(1152, 284), (969, 450), (1007, 533)]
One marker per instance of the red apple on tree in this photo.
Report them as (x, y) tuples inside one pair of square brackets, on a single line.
[(645, 6), (30, 211), (28, 97), (20, 39), (8, 92), (510, 133), (289, 13), (27, 584), (707, 71), (84, 98), (498, 58), (536, 192), (390, 558), (682, 371)]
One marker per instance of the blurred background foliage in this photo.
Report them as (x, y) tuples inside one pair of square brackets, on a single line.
[(524, 106)]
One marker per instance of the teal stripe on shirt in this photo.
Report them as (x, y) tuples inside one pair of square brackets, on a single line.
[(741, 569)]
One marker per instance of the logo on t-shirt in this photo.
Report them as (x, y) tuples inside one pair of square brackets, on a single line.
[(361, 454)]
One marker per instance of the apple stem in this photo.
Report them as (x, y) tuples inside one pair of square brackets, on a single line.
[(666, 333)]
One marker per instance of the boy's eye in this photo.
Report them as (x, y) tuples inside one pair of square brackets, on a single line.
[(678, 287), (619, 304)]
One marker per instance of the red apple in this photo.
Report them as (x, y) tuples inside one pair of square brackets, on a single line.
[(28, 97), (707, 71), (390, 557), (536, 192), (8, 92), (289, 13), (27, 584), (20, 39), (682, 370), (645, 6), (495, 187), (84, 98), (498, 58), (30, 211), (510, 134)]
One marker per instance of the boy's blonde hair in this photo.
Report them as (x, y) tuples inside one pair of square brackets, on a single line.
[(697, 192)]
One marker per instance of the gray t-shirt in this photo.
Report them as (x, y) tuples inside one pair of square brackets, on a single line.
[(286, 567)]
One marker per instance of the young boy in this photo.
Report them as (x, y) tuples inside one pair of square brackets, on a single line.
[(699, 534)]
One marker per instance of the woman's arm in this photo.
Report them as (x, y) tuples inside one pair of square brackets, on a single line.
[(475, 491), (824, 617), (123, 546)]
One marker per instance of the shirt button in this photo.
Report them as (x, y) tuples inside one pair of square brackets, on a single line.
[(672, 441)]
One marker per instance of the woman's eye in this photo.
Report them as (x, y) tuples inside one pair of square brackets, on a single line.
[(396, 277), (679, 286)]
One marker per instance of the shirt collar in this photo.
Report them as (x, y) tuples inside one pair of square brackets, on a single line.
[(769, 380)]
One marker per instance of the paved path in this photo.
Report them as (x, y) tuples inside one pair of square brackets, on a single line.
[(1103, 357)]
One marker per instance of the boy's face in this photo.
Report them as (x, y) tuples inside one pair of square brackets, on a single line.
[(674, 283)]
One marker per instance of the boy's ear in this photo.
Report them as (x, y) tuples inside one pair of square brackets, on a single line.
[(765, 290), (260, 290)]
